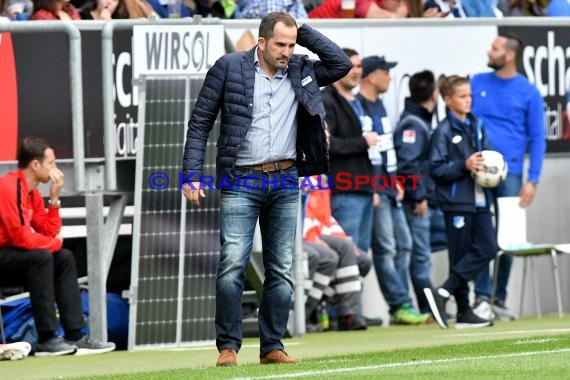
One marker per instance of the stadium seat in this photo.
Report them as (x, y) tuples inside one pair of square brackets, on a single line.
[(511, 237)]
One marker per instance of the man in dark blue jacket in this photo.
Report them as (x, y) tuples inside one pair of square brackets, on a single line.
[(272, 130), (411, 141)]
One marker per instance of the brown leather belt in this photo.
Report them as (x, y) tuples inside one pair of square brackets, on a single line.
[(273, 166)]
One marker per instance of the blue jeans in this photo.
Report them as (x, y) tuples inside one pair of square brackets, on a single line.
[(391, 250), (353, 211), (508, 188), (276, 207), (420, 262)]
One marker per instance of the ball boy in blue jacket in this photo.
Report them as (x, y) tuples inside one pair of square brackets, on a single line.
[(455, 157)]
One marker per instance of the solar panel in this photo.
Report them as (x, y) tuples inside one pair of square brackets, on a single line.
[(175, 249)]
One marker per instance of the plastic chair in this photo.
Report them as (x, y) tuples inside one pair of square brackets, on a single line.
[(511, 237)]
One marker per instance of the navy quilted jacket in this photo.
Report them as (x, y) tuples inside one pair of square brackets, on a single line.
[(452, 143), (229, 87)]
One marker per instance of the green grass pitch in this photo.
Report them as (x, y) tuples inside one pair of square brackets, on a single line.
[(528, 348)]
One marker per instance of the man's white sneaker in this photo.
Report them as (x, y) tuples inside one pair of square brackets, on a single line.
[(482, 309), (14, 351), (502, 312)]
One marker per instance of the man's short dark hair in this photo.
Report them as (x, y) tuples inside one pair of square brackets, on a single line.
[(422, 86), (31, 148), (268, 22), (514, 43), (349, 52)]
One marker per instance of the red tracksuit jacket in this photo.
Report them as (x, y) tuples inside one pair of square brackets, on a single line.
[(24, 221)]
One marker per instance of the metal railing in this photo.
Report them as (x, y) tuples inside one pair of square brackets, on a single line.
[(76, 84)]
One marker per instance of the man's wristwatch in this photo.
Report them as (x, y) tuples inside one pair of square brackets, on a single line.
[(54, 204)]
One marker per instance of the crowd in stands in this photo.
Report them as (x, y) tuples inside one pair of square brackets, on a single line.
[(256, 9), (112, 9)]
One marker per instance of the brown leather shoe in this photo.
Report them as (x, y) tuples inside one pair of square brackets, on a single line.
[(227, 358), (278, 357)]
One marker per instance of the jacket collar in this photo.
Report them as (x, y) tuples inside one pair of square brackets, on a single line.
[(461, 126), (23, 180), (417, 110), (250, 53), (343, 102)]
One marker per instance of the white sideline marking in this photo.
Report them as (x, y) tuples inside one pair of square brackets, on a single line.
[(404, 364), (533, 341), (505, 332)]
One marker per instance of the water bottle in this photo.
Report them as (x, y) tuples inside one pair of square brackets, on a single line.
[(324, 316)]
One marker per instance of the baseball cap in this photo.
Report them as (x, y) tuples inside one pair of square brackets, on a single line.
[(375, 62)]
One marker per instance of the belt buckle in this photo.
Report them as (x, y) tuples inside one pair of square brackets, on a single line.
[(269, 167)]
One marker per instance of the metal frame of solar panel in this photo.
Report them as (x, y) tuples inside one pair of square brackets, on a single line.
[(175, 249)]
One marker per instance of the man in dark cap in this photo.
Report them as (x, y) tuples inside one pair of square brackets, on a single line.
[(391, 237), (376, 62)]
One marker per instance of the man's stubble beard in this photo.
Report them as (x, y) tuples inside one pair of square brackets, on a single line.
[(495, 66)]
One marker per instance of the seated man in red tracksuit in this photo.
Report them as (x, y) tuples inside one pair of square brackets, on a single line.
[(31, 252)]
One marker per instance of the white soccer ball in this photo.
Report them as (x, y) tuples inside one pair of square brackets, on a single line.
[(494, 169)]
